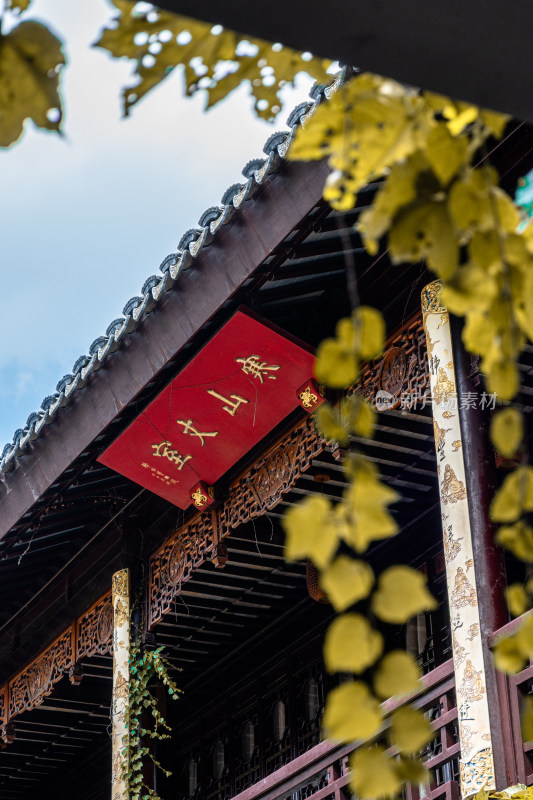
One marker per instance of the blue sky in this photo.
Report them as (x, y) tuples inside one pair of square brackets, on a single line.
[(88, 217)]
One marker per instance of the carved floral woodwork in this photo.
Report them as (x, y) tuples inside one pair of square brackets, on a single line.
[(401, 377), (173, 564), (264, 484), (3, 705), (258, 490), (91, 634), (36, 681), (94, 629)]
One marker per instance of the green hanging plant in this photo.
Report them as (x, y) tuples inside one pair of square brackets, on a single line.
[(146, 669)]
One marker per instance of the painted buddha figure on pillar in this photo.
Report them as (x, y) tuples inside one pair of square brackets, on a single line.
[(453, 489)]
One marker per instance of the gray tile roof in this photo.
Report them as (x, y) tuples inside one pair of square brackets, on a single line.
[(190, 245)]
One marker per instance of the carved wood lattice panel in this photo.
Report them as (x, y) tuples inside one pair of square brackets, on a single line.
[(400, 379), (265, 483), (3, 705), (258, 490), (173, 564), (34, 683), (94, 629)]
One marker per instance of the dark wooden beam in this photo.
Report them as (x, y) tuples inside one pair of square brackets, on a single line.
[(477, 51), (220, 269)]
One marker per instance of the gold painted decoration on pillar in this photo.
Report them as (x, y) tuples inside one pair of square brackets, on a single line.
[(121, 652), (477, 765)]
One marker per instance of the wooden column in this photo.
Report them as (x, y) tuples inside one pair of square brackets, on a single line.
[(121, 652), (475, 731), (481, 484)]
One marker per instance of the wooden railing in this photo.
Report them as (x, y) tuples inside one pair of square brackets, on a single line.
[(322, 773), (512, 689)]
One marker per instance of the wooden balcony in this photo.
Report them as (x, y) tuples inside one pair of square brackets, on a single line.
[(512, 689), (322, 772)]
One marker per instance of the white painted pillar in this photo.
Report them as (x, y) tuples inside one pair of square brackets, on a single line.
[(477, 764), (121, 676)]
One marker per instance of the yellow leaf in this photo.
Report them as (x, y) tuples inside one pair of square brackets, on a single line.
[(459, 122), (336, 362), (517, 599), (502, 378), (517, 538), (471, 289), (445, 153), (507, 431), (368, 125), (330, 424), (524, 637), (353, 414), (527, 719), (495, 121), (369, 327), (508, 657), (512, 652), (362, 417), (351, 644), (411, 770), (18, 6), (346, 581), (366, 502), (425, 231), (506, 211), (398, 190), (410, 730), (310, 531), (398, 674), (373, 773), (484, 249), (401, 593), (215, 57), (469, 203), (478, 333), (514, 496), (351, 713), (30, 62)]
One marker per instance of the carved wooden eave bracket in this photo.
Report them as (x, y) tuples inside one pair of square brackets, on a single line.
[(89, 635), (400, 378)]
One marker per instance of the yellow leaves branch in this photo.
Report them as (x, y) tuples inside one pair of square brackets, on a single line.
[(31, 59), (329, 534), (215, 60)]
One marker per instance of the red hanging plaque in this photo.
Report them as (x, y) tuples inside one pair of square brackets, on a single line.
[(234, 391)]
